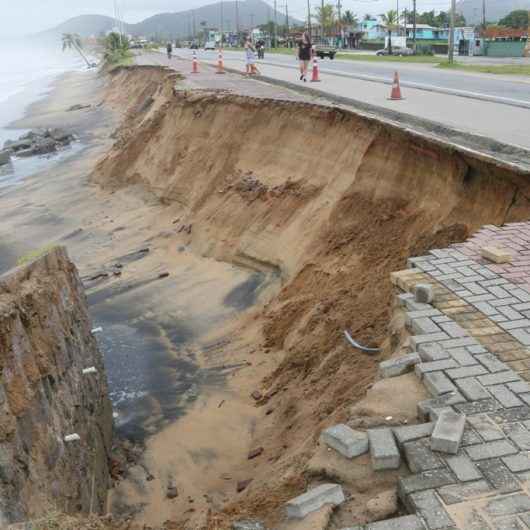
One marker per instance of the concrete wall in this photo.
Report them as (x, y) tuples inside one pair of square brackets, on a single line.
[(504, 48)]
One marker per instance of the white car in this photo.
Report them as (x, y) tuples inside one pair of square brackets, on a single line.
[(210, 45)]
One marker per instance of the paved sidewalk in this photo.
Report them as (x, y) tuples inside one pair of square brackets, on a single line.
[(474, 345)]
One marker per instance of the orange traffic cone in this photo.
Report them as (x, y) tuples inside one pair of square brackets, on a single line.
[(195, 64), (315, 74), (395, 95), (220, 63)]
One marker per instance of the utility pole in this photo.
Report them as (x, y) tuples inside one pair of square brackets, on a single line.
[(414, 25), (222, 15), (309, 19), (484, 14), (339, 7), (275, 24), (322, 19), (527, 49), (287, 18), (237, 17), (452, 32), (251, 21), (194, 26)]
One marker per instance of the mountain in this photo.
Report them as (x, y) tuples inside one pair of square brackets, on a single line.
[(495, 9), (183, 23)]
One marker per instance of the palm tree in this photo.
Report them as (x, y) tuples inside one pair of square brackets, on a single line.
[(390, 20), (349, 19), (73, 40), (326, 17)]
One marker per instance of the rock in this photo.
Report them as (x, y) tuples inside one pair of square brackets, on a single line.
[(163, 275), (248, 525), (60, 135), (243, 485), (42, 147), (5, 157), (256, 395), (78, 107), (172, 491), (383, 506), (19, 145), (254, 453)]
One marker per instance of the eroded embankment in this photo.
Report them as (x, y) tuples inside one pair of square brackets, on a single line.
[(330, 200), (45, 344)]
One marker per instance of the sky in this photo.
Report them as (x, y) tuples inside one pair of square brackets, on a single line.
[(19, 17)]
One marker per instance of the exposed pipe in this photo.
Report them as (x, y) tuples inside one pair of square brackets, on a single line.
[(358, 346)]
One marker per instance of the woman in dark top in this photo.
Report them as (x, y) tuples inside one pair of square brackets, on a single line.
[(304, 54)]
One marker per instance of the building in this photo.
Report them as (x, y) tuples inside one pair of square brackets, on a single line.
[(426, 32)]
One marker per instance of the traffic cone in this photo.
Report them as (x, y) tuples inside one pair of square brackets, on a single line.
[(220, 63), (315, 75), (195, 64), (395, 95)]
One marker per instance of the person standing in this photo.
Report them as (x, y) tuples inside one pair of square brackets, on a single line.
[(169, 49), (305, 48), (250, 55)]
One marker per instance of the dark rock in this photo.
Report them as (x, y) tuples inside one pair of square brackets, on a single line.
[(78, 107), (5, 157), (242, 485), (19, 145), (256, 395), (172, 492), (163, 275), (248, 525), (255, 453), (42, 147), (60, 135)]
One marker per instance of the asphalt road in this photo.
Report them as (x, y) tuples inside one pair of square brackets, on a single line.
[(500, 89)]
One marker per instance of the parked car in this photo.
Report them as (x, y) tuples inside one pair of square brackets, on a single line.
[(210, 45), (397, 51), (322, 51)]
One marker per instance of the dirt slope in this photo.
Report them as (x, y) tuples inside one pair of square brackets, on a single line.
[(331, 202)]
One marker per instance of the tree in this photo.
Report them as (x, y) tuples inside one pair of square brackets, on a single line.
[(390, 20), (326, 17), (516, 19), (349, 18), (368, 17), (73, 41)]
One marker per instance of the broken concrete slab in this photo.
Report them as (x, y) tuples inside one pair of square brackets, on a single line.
[(315, 499), (448, 432), (346, 441)]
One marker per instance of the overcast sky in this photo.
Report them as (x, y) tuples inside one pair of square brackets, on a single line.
[(28, 16)]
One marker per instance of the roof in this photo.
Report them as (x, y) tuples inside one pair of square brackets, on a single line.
[(424, 26)]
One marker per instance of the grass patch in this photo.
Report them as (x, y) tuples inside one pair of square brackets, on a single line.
[(118, 58), (34, 254), (497, 69)]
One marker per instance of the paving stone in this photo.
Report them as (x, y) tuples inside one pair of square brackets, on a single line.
[(498, 378), (462, 356), (525, 517), (454, 330), (499, 476), (487, 429), (510, 415), (416, 340), (509, 313), (432, 351), (491, 362), (423, 326), (475, 288), (472, 389), (346, 441), (424, 481), (509, 523), (407, 522), (466, 371), (491, 450), (410, 433), (498, 318), (496, 254), (399, 365), (314, 499), (508, 505), (517, 463), (383, 449), (424, 293), (420, 456), (426, 313), (441, 319), (431, 510), (486, 308), (476, 349), (522, 307), (521, 294), (403, 297), (448, 432), (477, 407), (427, 407), (437, 383), (521, 335), (456, 493), (505, 301), (463, 467), (504, 396), (499, 292), (521, 437), (515, 324), (457, 343), (435, 366), (470, 438)]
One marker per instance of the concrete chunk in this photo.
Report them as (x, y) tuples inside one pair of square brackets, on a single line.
[(314, 499), (346, 441), (448, 432), (383, 449), (424, 293), (398, 366), (496, 254)]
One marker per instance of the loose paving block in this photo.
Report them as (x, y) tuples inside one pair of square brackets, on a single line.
[(472, 389), (431, 510), (456, 493), (448, 432), (504, 396), (383, 449), (496, 254), (517, 463), (314, 499), (424, 293), (432, 351), (495, 449), (399, 365), (437, 383), (435, 366), (427, 408), (346, 441), (464, 469), (487, 429), (420, 456), (411, 433), (499, 476)]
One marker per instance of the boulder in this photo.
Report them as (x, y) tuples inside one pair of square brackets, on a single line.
[(60, 135), (41, 147), (5, 157), (20, 145)]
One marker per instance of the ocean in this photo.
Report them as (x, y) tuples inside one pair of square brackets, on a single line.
[(27, 73)]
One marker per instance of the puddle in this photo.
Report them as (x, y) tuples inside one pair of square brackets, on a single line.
[(246, 294)]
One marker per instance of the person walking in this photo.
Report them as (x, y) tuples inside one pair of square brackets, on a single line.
[(169, 49), (305, 48), (250, 55)]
